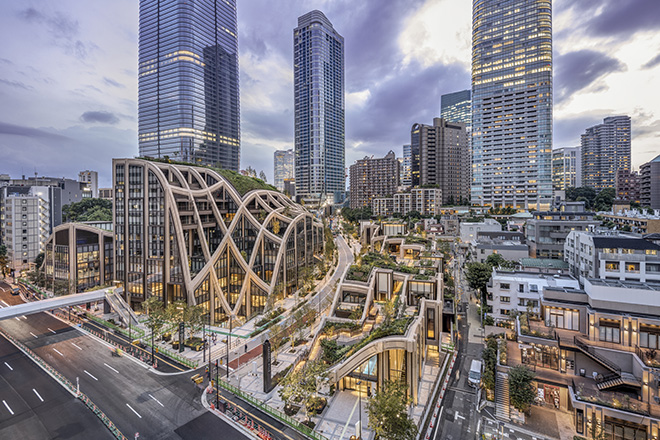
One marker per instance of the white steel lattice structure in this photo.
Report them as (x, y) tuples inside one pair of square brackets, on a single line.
[(236, 249)]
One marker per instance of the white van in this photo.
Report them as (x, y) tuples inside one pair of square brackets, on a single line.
[(474, 377)]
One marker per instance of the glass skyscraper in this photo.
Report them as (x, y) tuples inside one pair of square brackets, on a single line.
[(318, 70), (512, 103), (457, 107), (188, 93)]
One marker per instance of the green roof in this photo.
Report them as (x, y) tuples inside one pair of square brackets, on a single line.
[(547, 263)]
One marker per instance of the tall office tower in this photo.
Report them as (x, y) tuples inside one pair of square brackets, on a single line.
[(406, 166), (318, 72), (566, 168), (512, 103), (284, 162), (649, 177), (605, 150), (457, 107), (371, 178), (188, 94), (444, 158)]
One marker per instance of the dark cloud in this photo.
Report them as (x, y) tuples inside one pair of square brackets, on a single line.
[(575, 71), (16, 84), (112, 82), (64, 31), (100, 117), (20, 130), (652, 62)]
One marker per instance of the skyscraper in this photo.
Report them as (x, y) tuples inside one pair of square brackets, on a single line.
[(318, 71), (371, 178), (457, 107), (566, 168), (444, 158), (188, 93), (283, 161), (512, 103), (605, 150), (406, 166)]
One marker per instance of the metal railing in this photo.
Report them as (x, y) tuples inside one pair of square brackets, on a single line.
[(592, 353)]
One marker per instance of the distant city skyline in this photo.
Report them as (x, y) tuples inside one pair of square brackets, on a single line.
[(69, 76)]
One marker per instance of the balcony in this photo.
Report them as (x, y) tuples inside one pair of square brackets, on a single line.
[(632, 258)]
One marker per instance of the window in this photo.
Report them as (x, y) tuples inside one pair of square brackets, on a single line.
[(505, 299), (504, 286), (612, 265), (521, 288), (430, 323), (649, 336), (610, 330), (533, 288), (632, 267), (651, 252), (562, 318)]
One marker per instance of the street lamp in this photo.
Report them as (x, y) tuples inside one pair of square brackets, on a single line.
[(359, 382)]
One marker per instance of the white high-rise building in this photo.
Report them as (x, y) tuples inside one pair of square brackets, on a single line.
[(91, 178)]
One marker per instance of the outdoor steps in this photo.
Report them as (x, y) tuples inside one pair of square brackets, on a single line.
[(502, 406), (625, 379), (591, 352)]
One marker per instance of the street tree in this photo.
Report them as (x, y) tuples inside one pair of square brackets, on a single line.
[(388, 412), (477, 275), (156, 318), (489, 356), (521, 390), (300, 385)]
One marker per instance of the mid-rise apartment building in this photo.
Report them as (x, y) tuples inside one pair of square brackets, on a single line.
[(444, 158), (470, 230), (511, 246), (612, 255), (633, 220), (426, 201), (91, 181), (373, 177), (650, 183), (605, 150), (566, 168), (627, 186)]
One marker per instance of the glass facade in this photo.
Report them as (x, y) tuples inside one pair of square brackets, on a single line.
[(512, 103), (188, 90), (319, 109), (457, 107)]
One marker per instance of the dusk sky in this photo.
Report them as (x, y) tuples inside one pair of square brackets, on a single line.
[(68, 76)]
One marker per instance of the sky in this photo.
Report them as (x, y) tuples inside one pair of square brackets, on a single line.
[(68, 76)]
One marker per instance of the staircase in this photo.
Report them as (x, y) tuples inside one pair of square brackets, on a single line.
[(502, 406), (122, 309), (615, 380), (591, 352)]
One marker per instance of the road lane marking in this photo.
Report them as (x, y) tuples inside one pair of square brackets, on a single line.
[(24, 317), (58, 352), (35, 392), (52, 331), (76, 346), (113, 369), (9, 366), (157, 401), (90, 374), (12, 412), (17, 318), (5, 303), (35, 336), (129, 406)]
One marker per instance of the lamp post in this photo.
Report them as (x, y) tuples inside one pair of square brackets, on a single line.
[(359, 382), (228, 345), (217, 386)]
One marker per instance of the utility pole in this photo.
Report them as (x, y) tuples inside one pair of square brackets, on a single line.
[(228, 345)]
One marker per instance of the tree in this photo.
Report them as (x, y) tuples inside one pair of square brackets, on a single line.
[(302, 384), (489, 356), (262, 176), (175, 313), (477, 275), (497, 260), (4, 261), (604, 200), (39, 260), (88, 210), (582, 194), (521, 390), (155, 311), (388, 412)]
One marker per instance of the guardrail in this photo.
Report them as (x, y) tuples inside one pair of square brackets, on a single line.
[(290, 421), (66, 383), (134, 330)]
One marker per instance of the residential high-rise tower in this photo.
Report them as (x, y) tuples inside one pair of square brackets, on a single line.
[(512, 103), (318, 71), (188, 92), (605, 150), (283, 161), (371, 178), (566, 168)]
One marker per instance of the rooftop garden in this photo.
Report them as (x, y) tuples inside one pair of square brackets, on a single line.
[(361, 271), (528, 330), (242, 184)]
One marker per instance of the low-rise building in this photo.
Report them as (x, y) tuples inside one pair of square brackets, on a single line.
[(634, 221), (611, 255), (469, 230), (510, 245)]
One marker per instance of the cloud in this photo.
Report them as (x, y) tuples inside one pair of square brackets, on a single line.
[(100, 117), (576, 71), (112, 82), (30, 132), (652, 62), (64, 31), (625, 17), (17, 84)]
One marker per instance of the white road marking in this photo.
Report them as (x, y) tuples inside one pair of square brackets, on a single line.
[(111, 368), (90, 374), (12, 412), (129, 406), (35, 336), (458, 416), (58, 352), (5, 303), (76, 346), (17, 318), (52, 331), (35, 392), (157, 401), (9, 366)]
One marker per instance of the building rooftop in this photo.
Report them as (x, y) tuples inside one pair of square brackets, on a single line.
[(623, 243), (625, 284), (545, 263)]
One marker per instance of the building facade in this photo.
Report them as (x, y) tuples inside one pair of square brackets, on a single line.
[(650, 183), (512, 103), (284, 167), (188, 82), (566, 168), (470, 230), (627, 184), (547, 231), (444, 158), (634, 221), (457, 107), (426, 201), (612, 256), (318, 72), (371, 178), (91, 180), (185, 233), (605, 150), (406, 166)]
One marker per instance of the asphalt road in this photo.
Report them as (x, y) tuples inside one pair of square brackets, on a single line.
[(35, 407), (137, 400)]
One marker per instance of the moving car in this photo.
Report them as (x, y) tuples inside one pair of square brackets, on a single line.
[(474, 376)]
